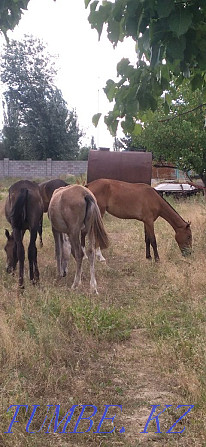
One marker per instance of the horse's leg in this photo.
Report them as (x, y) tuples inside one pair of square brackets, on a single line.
[(99, 254), (32, 257), (149, 228), (20, 254), (78, 255), (91, 256), (83, 236), (15, 258), (66, 252), (36, 269), (58, 250), (40, 231), (147, 242)]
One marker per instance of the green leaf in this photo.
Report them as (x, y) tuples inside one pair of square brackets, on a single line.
[(166, 108), (164, 83), (124, 68), (110, 89), (204, 94), (175, 49), (97, 18), (146, 40), (132, 106), (94, 5), (111, 123), (96, 118), (164, 7), (113, 31), (197, 82), (86, 2), (147, 116), (165, 71), (180, 21), (137, 130), (155, 55), (168, 98), (118, 10), (128, 125)]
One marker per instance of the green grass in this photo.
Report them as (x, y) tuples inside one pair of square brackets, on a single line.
[(110, 324)]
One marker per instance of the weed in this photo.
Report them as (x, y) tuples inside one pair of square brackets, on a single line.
[(104, 323)]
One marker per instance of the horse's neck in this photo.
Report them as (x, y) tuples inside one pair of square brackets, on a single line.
[(171, 216)]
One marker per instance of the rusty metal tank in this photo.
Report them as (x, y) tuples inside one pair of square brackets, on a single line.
[(133, 167)]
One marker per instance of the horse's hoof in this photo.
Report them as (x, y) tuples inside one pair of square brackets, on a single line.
[(75, 286), (35, 281), (94, 291), (101, 259), (20, 292)]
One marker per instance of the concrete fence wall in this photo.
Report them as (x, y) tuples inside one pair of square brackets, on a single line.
[(40, 168)]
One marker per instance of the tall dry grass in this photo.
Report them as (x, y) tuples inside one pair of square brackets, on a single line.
[(61, 347)]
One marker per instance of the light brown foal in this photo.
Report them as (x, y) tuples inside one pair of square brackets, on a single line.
[(73, 211)]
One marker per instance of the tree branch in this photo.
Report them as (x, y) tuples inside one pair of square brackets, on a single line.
[(181, 114)]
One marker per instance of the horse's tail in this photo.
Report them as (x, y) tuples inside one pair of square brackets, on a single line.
[(19, 209), (93, 222)]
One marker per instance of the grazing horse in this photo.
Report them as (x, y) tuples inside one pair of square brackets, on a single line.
[(140, 201), (73, 210), (23, 210), (46, 189)]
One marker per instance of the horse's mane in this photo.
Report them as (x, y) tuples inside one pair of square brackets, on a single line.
[(169, 205)]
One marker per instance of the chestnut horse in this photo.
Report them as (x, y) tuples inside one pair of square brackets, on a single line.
[(73, 211), (46, 189), (140, 201), (23, 210)]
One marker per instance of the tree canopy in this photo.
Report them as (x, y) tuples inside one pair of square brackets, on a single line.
[(180, 137), (37, 122), (170, 40)]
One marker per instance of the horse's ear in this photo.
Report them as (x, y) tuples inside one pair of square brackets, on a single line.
[(7, 234)]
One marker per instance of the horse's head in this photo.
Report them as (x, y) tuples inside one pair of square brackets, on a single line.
[(183, 237), (10, 249)]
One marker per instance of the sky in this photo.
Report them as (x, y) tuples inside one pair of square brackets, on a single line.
[(84, 63)]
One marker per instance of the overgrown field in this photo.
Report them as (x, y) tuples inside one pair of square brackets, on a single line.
[(140, 342)]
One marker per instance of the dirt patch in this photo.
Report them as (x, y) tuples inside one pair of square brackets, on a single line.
[(142, 385)]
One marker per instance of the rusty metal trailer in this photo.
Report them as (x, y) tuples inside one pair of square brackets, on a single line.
[(128, 166)]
